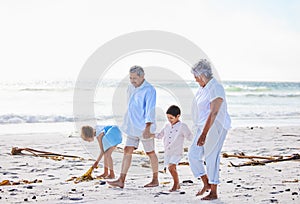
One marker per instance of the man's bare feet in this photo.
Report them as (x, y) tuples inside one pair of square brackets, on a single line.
[(210, 197), (204, 189), (153, 183), (175, 188), (116, 183)]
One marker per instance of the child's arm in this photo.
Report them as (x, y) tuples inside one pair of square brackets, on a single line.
[(99, 138), (160, 135), (187, 132)]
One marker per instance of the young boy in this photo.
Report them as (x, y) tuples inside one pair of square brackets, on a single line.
[(108, 138), (173, 135)]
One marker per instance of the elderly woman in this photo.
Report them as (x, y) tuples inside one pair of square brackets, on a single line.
[(212, 122)]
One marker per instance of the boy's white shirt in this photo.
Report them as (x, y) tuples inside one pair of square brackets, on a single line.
[(173, 137)]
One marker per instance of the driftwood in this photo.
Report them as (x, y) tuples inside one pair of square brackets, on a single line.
[(7, 182), (262, 162), (242, 156), (38, 153)]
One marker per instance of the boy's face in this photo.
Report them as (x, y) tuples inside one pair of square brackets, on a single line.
[(89, 139), (172, 119)]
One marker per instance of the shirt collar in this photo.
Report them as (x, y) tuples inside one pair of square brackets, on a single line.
[(145, 83), (210, 83), (176, 124)]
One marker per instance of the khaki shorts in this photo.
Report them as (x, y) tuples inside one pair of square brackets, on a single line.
[(148, 144)]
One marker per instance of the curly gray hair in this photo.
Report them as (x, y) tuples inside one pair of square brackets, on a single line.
[(138, 70), (202, 67)]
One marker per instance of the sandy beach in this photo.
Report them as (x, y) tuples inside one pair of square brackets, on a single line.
[(271, 183)]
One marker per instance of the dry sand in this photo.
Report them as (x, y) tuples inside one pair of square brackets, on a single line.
[(271, 183)]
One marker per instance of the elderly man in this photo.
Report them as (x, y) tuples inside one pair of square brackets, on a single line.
[(139, 122)]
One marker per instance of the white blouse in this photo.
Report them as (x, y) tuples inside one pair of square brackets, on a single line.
[(201, 107)]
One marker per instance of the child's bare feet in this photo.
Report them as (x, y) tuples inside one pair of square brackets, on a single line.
[(210, 196), (102, 176), (109, 176), (116, 183), (175, 188), (153, 183), (204, 189)]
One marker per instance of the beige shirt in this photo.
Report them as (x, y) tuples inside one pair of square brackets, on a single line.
[(173, 137)]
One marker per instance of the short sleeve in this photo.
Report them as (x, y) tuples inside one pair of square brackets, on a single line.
[(217, 92)]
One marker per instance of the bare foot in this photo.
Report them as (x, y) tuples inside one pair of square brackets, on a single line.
[(153, 183), (102, 176), (210, 197), (205, 188), (175, 188), (116, 183), (110, 177)]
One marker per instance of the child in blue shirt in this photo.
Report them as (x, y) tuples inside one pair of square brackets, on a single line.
[(108, 138)]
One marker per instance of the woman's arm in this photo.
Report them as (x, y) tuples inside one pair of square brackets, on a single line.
[(214, 109)]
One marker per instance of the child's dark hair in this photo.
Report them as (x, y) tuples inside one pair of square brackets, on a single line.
[(173, 110)]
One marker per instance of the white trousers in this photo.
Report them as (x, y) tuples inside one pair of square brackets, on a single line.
[(210, 153)]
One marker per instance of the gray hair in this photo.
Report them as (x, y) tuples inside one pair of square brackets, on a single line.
[(138, 70), (202, 67)]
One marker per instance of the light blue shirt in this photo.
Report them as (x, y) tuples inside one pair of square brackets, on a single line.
[(141, 109), (102, 128)]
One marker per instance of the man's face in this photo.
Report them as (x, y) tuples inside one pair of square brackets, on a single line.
[(136, 80)]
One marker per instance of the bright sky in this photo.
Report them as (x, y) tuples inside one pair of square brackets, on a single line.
[(246, 40)]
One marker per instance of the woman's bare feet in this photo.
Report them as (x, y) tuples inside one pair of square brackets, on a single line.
[(210, 196), (153, 183), (203, 190), (116, 183)]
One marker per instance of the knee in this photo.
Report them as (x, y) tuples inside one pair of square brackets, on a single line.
[(172, 167), (128, 150), (152, 153)]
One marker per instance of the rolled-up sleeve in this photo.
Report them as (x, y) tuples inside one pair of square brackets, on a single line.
[(150, 103)]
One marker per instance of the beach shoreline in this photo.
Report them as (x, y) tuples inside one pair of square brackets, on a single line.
[(271, 183)]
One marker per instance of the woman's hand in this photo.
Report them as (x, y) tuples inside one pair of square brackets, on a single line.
[(201, 140)]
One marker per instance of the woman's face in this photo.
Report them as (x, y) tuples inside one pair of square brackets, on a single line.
[(200, 80)]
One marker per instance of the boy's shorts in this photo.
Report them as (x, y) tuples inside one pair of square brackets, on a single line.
[(148, 144)]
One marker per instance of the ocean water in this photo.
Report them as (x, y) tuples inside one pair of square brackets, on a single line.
[(51, 102)]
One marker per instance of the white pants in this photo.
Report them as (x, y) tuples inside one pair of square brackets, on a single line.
[(210, 153)]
